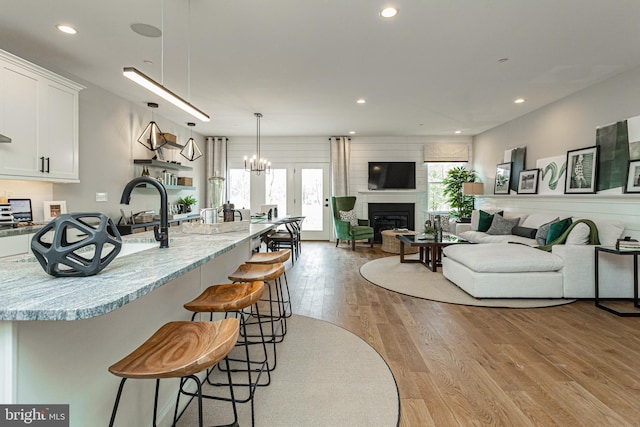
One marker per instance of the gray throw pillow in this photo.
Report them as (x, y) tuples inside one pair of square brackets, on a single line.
[(501, 225), (350, 216), (543, 231)]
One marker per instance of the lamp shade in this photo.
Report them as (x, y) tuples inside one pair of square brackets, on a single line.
[(473, 188)]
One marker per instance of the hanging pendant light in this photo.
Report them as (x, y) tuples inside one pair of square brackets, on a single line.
[(152, 137), (191, 150), (257, 164)]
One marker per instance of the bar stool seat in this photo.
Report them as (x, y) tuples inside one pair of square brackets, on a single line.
[(257, 272), (270, 257), (226, 297), (178, 350)]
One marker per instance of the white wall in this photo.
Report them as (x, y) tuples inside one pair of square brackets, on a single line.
[(567, 124)]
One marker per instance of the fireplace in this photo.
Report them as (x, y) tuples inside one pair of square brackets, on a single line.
[(387, 216)]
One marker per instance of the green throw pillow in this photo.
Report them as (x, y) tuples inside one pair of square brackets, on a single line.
[(557, 228), (485, 220)]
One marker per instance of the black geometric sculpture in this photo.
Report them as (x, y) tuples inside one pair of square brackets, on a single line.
[(79, 244)]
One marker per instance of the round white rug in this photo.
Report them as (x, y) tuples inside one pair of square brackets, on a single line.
[(325, 376), (415, 280)]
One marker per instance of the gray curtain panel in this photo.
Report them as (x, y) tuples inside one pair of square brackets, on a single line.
[(340, 156)]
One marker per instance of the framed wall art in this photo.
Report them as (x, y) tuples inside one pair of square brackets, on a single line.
[(503, 178), (528, 181), (582, 171), (54, 209), (633, 177)]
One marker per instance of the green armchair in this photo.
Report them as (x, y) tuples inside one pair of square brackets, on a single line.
[(344, 229)]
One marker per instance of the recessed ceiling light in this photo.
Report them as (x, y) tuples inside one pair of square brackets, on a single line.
[(146, 30), (519, 101), (361, 101), (503, 60), (458, 131), (66, 29), (388, 12), (352, 132)]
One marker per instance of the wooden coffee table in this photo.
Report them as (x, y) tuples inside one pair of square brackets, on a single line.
[(430, 250)]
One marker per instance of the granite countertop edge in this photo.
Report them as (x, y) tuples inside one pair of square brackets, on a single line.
[(27, 293)]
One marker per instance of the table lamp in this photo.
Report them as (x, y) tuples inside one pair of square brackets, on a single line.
[(473, 189)]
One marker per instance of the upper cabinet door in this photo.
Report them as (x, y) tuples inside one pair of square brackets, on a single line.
[(59, 131), (19, 112), (39, 112)]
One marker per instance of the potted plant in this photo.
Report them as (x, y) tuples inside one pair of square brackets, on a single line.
[(461, 205), (429, 230), (186, 202)]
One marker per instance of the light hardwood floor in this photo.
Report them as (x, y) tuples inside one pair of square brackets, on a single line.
[(573, 365)]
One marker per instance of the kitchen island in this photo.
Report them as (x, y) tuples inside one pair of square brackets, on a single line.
[(59, 335)]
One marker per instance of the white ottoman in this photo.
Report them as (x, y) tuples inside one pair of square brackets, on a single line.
[(503, 270)]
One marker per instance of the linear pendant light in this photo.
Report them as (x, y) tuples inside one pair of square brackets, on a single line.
[(155, 87)]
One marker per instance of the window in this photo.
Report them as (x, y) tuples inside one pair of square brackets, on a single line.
[(436, 172), (240, 188), (275, 191)]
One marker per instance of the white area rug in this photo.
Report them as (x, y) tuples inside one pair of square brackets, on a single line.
[(325, 376), (418, 281)]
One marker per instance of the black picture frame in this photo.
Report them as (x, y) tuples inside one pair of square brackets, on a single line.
[(528, 181), (632, 181), (582, 171), (503, 178)]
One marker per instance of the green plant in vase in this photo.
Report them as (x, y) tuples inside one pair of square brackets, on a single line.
[(461, 205), (429, 230), (187, 201)]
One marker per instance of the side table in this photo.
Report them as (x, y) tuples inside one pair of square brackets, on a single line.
[(635, 280)]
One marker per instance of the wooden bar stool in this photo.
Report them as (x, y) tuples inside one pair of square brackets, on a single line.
[(280, 256), (235, 298), (270, 274), (179, 350)]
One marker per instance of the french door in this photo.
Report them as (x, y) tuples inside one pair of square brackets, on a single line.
[(309, 198), (301, 189)]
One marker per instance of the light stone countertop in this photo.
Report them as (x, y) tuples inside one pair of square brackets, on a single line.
[(22, 229), (28, 293)]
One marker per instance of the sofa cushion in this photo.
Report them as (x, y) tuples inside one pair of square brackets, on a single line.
[(557, 228), (485, 220), (501, 225), (579, 235), (350, 216), (529, 233), (543, 231), (535, 220), (503, 258), (609, 231)]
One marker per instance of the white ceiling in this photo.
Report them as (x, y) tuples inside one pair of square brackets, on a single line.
[(431, 70)]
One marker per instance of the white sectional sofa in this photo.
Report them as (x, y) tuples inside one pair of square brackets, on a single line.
[(508, 266)]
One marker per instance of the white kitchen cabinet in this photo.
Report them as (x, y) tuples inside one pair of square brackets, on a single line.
[(14, 245), (39, 112)]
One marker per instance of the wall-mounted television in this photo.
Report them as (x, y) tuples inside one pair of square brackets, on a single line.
[(392, 175)]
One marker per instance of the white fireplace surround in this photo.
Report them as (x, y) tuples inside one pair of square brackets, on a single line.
[(418, 198)]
